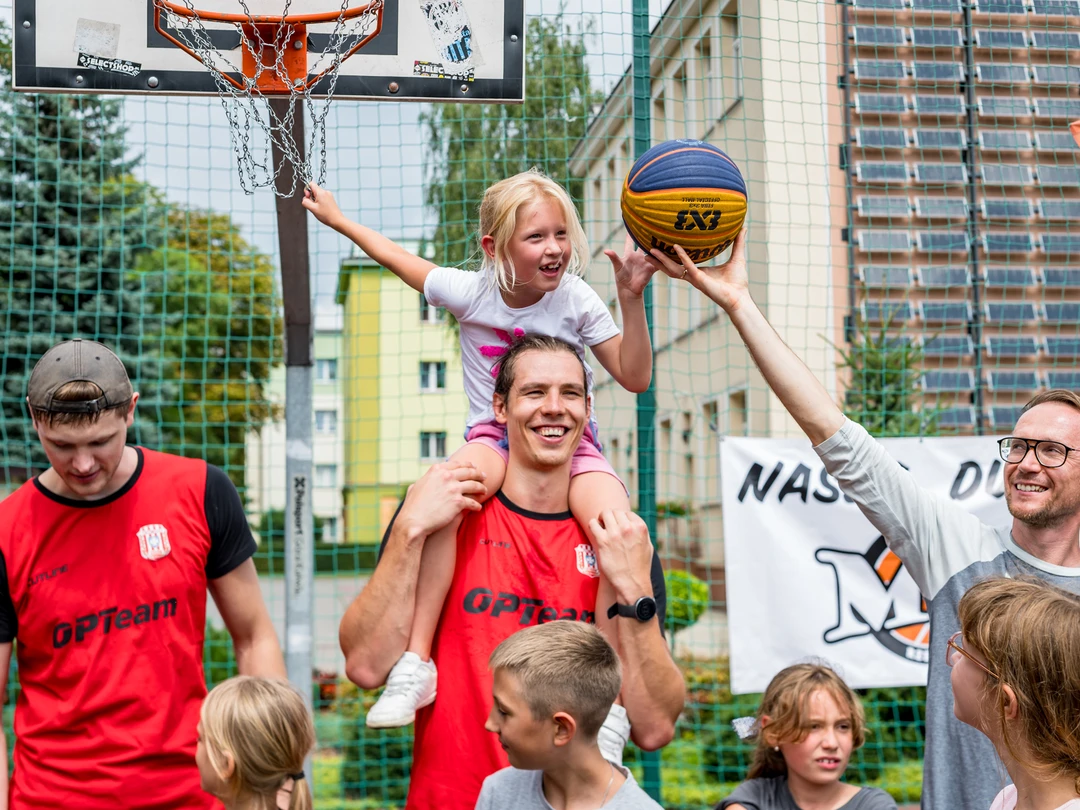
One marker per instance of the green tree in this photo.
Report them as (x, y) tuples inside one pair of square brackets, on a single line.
[(73, 221), (472, 146), (883, 391), (215, 301)]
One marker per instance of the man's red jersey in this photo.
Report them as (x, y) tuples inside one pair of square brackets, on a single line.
[(107, 600), (515, 568)]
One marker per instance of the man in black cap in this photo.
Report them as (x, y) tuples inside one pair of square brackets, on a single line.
[(105, 560)]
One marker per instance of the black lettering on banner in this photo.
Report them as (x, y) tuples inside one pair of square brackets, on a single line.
[(588, 616), (123, 619), (569, 613), (142, 614), (506, 603), (798, 482), (961, 490), (84, 625), (472, 606), (753, 479), (61, 635), (833, 492)]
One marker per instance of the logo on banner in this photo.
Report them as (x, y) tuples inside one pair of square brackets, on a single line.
[(876, 596), (154, 541), (586, 560)]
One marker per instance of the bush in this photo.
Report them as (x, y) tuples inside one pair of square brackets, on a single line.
[(330, 558), (687, 599), (376, 762), (219, 662)]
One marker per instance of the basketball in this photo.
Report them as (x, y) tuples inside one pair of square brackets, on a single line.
[(685, 193)]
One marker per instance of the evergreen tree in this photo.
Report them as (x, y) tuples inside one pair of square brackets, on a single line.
[(72, 221)]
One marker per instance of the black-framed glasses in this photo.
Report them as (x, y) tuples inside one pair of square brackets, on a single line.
[(1013, 449), (955, 646)]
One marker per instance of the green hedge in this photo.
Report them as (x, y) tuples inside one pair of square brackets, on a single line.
[(330, 558)]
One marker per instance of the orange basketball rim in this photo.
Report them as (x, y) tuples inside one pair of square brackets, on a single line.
[(263, 34)]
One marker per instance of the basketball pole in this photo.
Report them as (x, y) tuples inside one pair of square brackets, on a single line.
[(299, 347), (646, 401)]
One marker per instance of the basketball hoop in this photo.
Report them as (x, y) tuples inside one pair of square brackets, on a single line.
[(274, 65)]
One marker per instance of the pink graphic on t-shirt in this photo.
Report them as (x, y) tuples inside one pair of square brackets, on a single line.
[(499, 351)]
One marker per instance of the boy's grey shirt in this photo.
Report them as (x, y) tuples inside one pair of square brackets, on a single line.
[(946, 550), (511, 789)]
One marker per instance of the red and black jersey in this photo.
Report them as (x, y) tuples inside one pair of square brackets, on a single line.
[(515, 568), (107, 601)]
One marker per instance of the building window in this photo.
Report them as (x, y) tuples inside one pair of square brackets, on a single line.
[(433, 445), (326, 476), (737, 414), (326, 370), (707, 78), (326, 422), (430, 313), (432, 376), (329, 530)]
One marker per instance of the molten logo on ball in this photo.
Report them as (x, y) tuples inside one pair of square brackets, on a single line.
[(661, 209)]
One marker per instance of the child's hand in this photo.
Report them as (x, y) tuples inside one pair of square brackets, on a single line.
[(321, 203), (725, 284), (633, 269)]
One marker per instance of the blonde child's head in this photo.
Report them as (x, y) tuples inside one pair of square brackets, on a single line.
[(553, 686), (1019, 682), (499, 212), (803, 705), (254, 734)]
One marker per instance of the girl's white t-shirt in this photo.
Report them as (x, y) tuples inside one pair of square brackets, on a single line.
[(572, 312), (1006, 800)]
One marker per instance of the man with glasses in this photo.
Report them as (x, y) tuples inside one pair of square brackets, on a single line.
[(945, 548)]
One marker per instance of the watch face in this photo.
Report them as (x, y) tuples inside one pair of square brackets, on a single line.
[(645, 608)]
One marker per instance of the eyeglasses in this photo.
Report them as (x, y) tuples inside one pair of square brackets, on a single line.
[(1050, 454), (954, 647)]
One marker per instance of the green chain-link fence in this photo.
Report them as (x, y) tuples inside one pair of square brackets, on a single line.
[(912, 188)]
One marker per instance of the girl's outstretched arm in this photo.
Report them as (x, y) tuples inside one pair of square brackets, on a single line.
[(628, 357), (407, 266)]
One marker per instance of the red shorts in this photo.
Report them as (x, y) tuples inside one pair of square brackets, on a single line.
[(587, 457)]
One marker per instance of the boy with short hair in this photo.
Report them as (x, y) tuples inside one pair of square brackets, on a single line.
[(553, 686)]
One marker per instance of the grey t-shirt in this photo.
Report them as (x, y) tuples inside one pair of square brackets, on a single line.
[(511, 789), (773, 794), (946, 550)]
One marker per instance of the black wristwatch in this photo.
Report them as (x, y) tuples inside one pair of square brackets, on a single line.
[(642, 610)]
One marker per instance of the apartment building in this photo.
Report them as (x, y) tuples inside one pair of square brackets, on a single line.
[(404, 403)]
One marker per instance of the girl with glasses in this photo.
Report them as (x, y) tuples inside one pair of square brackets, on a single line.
[(1016, 678)]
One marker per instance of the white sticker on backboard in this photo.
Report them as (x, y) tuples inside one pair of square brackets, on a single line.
[(96, 38), (448, 24)]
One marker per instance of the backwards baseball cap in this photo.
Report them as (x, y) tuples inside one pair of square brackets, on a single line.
[(78, 361)]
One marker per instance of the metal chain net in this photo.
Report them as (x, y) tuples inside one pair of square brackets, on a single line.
[(248, 110)]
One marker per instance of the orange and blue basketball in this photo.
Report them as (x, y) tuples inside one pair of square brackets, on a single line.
[(686, 193)]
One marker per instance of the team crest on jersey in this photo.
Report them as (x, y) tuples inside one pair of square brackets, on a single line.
[(586, 560), (154, 541)]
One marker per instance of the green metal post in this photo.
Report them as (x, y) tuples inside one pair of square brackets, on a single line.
[(646, 402)]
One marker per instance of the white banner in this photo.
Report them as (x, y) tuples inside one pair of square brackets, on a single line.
[(809, 576)]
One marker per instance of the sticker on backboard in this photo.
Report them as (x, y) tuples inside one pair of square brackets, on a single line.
[(448, 24), (96, 38), (436, 70), (109, 65)]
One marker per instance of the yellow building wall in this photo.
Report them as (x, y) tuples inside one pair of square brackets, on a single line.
[(385, 410)]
